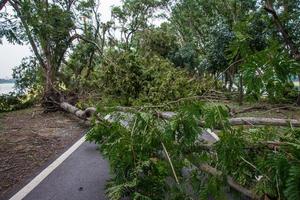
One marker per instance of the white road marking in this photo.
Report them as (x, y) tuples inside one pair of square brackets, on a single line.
[(39, 178)]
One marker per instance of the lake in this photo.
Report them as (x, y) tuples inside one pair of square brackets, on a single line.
[(6, 88)]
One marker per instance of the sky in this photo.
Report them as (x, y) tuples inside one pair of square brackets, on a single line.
[(11, 55)]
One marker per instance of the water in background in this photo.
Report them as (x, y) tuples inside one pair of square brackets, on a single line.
[(6, 88)]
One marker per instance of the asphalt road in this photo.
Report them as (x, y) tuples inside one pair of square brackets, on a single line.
[(82, 176)]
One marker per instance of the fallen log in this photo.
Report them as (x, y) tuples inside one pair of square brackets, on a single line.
[(263, 121), (82, 114), (245, 120), (88, 112)]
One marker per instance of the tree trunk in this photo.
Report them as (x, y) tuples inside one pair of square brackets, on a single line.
[(83, 114), (49, 79), (51, 97)]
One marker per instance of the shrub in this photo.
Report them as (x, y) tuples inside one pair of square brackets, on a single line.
[(10, 102)]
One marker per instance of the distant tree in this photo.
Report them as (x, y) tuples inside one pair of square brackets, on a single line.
[(134, 16)]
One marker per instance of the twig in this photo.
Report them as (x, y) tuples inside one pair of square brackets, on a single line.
[(170, 161), (249, 163)]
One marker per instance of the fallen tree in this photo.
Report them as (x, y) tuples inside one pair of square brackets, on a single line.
[(207, 144), (88, 113)]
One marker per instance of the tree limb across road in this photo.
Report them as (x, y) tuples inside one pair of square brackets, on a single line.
[(253, 121)]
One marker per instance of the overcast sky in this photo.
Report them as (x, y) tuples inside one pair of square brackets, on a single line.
[(11, 55)]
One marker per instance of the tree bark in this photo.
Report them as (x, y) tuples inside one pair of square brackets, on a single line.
[(263, 121), (82, 114), (256, 121)]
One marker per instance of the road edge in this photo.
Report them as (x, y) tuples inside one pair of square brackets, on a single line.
[(47, 171)]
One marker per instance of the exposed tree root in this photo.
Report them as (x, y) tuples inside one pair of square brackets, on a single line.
[(50, 101)]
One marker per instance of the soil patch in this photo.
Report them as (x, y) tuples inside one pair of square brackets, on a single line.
[(29, 140)]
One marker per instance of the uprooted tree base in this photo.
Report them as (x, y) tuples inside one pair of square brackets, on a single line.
[(51, 100)]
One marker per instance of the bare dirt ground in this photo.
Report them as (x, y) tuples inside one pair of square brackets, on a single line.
[(29, 140)]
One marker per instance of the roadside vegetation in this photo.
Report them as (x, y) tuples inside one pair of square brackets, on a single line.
[(214, 64)]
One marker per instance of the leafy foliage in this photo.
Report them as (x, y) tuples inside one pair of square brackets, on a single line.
[(134, 145), (28, 76), (268, 72), (136, 79)]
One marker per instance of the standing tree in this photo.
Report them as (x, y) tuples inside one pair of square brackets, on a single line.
[(134, 16), (50, 28)]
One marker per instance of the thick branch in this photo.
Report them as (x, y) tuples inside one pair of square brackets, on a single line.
[(77, 36), (231, 182), (263, 121), (270, 9), (88, 41), (71, 39), (245, 120)]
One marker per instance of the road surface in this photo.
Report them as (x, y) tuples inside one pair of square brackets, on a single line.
[(82, 176)]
